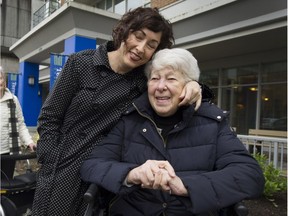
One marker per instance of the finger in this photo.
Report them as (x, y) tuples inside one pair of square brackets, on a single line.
[(32, 147), (198, 103), (140, 175), (167, 166), (183, 93), (165, 181), (154, 166), (157, 181), (185, 97), (145, 182), (147, 178), (146, 185)]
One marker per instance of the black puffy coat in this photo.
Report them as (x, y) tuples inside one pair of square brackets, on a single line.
[(213, 164)]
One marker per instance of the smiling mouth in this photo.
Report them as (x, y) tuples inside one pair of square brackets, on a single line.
[(134, 56), (162, 98)]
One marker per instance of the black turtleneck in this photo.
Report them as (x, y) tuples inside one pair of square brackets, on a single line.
[(166, 124)]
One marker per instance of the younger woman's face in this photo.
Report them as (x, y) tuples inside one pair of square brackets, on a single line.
[(139, 47)]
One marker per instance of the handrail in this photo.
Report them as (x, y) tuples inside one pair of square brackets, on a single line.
[(274, 147), (262, 138), (45, 11)]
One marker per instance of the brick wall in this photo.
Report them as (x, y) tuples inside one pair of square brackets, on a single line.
[(161, 3)]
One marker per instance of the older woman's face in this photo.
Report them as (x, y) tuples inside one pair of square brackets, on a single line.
[(164, 89)]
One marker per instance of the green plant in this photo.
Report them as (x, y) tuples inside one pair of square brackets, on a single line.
[(274, 181)]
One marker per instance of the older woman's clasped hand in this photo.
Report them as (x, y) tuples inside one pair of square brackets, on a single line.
[(154, 174)]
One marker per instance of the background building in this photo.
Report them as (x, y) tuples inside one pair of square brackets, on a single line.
[(241, 47)]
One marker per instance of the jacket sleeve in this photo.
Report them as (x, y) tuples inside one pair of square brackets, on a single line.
[(104, 165), (54, 108), (24, 134), (236, 176)]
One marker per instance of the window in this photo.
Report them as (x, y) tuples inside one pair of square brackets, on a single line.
[(241, 102), (251, 91), (274, 97), (119, 6), (275, 72), (134, 4), (210, 78), (241, 75)]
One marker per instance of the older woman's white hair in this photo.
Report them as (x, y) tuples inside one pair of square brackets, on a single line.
[(178, 59)]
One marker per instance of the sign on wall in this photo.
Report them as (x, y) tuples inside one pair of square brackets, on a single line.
[(57, 62), (13, 83)]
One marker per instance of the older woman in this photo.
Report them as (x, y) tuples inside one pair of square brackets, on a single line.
[(162, 159), (13, 130)]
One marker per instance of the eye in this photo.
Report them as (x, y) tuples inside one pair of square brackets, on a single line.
[(153, 77), (139, 35), (172, 78), (152, 45)]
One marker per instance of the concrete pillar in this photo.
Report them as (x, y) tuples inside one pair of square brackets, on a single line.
[(29, 94)]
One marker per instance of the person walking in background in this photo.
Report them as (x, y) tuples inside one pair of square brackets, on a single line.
[(162, 159), (93, 90), (12, 126)]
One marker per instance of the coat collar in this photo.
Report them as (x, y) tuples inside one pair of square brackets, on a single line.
[(7, 95)]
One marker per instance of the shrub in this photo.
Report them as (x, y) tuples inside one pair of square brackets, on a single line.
[(274, 181)]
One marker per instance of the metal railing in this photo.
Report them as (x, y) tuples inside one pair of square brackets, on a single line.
[(274, 148), (45, 11)]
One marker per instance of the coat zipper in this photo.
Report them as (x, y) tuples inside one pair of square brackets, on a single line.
[(148, 117)]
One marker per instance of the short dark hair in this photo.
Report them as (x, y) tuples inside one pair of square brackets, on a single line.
[(140, 18)]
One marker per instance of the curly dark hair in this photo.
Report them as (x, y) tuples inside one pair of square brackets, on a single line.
[(140, 18)]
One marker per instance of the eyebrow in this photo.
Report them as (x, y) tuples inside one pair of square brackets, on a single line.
[(155, 41)]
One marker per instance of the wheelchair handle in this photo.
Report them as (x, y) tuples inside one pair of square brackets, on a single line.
[(241, 209), (19, 156), (91, 193)]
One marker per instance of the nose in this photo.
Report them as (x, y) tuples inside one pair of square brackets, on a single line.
[(161, 85), (140, 46)]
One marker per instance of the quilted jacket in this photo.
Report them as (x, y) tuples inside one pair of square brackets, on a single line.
[(213, 164), (5, 125)]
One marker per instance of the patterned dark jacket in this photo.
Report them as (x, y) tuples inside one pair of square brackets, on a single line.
[(87, 100), (213, 164)]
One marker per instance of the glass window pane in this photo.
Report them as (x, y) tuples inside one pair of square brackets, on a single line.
[(120, 7), (209, 78), (241, 103), (109, 6), (274, 72), (134, 4), (274, 107), (101, 5), (215, 92), (241, 75)]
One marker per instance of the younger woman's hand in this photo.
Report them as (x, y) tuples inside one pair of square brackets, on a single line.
[(191, 94)]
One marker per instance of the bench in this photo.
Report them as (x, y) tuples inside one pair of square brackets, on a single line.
[(270, 133)]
